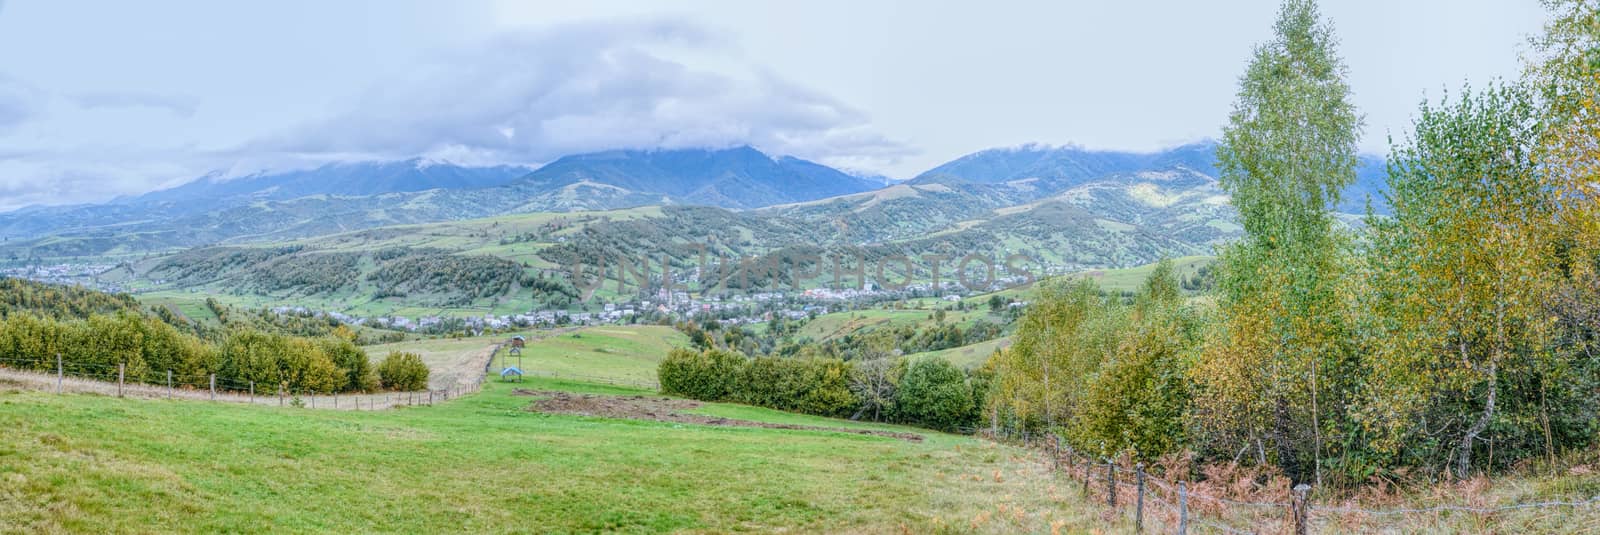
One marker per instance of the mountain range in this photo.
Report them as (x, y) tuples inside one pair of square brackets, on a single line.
[(740, 178), (341, 178), (1179, 182)]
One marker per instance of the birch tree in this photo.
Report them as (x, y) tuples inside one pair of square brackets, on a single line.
[(1275, 372), (1461, 271)]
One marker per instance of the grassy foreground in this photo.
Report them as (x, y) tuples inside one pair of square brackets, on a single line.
[(82, 463)]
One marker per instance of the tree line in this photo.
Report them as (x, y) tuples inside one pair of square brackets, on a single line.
[(93, 333), (927, 392)]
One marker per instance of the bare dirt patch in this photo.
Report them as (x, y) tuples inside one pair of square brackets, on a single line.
[(664, 409)]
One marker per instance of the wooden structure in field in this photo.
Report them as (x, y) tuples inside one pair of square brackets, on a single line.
[(512, 373)]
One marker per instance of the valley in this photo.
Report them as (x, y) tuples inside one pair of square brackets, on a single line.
[(490, 267), (975, 211)]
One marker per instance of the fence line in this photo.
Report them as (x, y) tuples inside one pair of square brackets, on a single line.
[(111, 380), (1299, 513)]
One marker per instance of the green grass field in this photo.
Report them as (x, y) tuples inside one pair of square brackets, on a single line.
[(82, 463), (1110, 280), (626, 354), (837, 324), (968, 356)]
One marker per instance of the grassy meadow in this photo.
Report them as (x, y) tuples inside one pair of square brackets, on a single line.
[(968, 356), (612, 353), (82, 463)]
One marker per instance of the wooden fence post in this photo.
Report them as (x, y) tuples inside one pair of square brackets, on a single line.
[(1111, 485), (1300, 507), (1138, 507), (1088, 466), (122, 369), (1055, 453), (58, 373), (169, 384), (213, 387), (430, 396), (1183, 508), (280, 394), (252, 392), (335, 400)]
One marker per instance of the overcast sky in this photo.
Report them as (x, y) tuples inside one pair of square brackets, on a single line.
[(99, 99)]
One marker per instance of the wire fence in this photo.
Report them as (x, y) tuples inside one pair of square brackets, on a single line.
[(117, 380), (1127, 491)]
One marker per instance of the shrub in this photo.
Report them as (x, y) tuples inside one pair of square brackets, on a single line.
[(810, 385), (254, 356), (403, 371), (358, 372), (707, 376), (935, 394), (309, 368), (825, 387)]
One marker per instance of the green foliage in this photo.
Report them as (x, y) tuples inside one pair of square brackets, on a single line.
[(460, 279), (1454, 336), (276, 361), (200, 266), (403, 371), (18, 296), (148, 348), (1112, 374), (934, 393), (1068, 332), (308, 274), (939, 395), (709, 375), (1273, 371), (1461, 330), (1138, 400), (807, 385), (359, 375)]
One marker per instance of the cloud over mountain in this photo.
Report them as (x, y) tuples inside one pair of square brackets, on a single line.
[(535, 95)]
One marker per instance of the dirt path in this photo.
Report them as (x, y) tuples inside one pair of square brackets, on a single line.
[(663, 409), (464, 373)]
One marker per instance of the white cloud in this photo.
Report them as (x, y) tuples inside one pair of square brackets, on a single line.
[(523, 97), (181, 105), (533, 95)]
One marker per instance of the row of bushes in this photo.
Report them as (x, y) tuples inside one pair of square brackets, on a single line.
[(148, 348), (928, 392)]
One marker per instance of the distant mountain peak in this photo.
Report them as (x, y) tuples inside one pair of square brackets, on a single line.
[(732, 177)]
